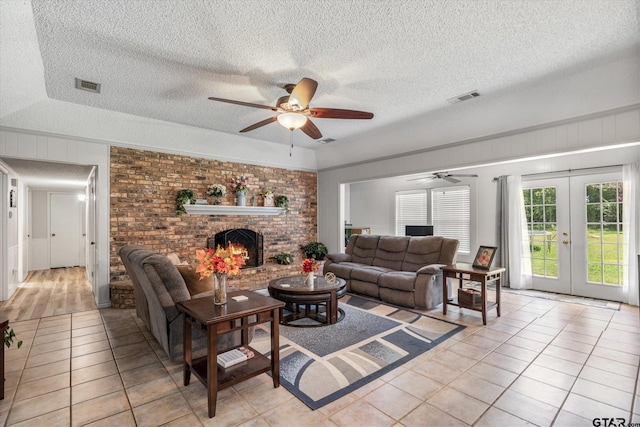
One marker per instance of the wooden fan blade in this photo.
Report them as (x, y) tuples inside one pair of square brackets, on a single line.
[(311, 130), (336, 113), (259, 124), (246, 104), (303, 92)]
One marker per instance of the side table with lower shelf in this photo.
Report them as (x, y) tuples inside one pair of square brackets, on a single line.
[(223, 319), (467, 272)]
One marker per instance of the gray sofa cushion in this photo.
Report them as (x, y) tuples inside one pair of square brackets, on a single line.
[(364, 249), (368, 274), (423, 251), (400, 280), (391, 252)]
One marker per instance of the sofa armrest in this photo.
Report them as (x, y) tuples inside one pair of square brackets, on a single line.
[(430, 269), (339, 257)]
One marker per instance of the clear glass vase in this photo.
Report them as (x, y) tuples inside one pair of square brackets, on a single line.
[(310, 279), (220, 288)]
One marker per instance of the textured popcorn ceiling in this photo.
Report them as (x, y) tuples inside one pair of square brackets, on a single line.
[(397, 58)]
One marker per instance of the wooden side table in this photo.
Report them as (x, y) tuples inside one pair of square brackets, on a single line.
[(223, 319), (467, 272)]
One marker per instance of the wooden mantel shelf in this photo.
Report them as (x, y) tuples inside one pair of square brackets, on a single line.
[(231, 210)]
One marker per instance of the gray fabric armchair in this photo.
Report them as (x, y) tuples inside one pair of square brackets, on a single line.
[(396, 269), (158, 286)]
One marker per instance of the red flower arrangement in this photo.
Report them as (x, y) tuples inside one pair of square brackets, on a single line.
[(309, 265), (220, 261)]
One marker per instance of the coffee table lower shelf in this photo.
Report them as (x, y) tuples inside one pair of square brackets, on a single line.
[(258, 364)]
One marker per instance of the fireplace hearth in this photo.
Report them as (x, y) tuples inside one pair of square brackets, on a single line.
[(245, 241)]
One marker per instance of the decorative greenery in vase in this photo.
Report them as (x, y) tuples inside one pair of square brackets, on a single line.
[(282, 202), (283, 258), (315, 250), (184, 197)]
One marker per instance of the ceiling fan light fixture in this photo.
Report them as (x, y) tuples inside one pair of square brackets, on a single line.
[(292, 121)]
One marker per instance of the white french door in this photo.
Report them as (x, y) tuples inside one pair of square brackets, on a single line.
[(548, 221), (575, 230)]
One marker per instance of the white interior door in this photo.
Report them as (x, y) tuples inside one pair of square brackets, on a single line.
[(65, 226), (575, 229)]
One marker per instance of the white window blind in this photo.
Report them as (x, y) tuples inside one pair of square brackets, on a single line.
[(451, 212), (411, 209)]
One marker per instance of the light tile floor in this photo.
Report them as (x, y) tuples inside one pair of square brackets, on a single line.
[(542, 363)]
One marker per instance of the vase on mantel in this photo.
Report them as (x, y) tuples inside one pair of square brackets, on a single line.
[(268, 201), (220, 288), (241, 199)]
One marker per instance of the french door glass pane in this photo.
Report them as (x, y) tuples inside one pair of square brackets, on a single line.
[(540, 211), (604, 232)]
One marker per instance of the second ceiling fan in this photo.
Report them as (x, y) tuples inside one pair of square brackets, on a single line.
[(294, 111)]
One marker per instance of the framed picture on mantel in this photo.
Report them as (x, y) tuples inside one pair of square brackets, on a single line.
[(484, 257)]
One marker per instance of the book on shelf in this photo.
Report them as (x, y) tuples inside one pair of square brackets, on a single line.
[(231, 357)]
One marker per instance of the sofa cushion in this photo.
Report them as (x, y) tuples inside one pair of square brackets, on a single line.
[(368, 274), (364, 248), (391, 251), (163, 274), (343, 269), (399, 280), (422, 251), (195, 285)]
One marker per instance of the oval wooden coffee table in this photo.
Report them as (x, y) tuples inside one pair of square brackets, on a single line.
[(318, 302)]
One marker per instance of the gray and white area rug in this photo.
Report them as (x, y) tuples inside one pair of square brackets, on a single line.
[(321, 364)]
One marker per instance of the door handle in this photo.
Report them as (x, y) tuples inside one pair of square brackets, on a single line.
[(53, 235), (93, 243)]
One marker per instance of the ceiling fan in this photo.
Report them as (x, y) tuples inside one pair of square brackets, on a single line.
[(294, 111), (443, 175)]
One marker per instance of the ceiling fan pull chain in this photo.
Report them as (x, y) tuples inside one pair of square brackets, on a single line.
[(291, 140)]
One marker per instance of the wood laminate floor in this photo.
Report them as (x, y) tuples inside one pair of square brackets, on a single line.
[(47, 293)]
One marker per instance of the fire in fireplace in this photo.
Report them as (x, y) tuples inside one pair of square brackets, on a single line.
[(247, 242)]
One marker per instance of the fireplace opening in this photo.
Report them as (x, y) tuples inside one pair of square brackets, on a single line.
[(247, 242)]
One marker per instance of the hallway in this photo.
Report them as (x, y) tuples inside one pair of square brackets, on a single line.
[(47, 293)]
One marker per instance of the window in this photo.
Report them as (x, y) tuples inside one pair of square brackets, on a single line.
[(448, 209), (451, 210), (604, 233), (411, 209), (540, 209)]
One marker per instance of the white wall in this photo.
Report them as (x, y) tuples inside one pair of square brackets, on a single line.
[(602, 130)]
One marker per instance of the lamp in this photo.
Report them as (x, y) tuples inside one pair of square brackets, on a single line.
[(292, 121)]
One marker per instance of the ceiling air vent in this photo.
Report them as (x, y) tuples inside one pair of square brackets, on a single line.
[(85, 85), (326, 140), (464, 97)]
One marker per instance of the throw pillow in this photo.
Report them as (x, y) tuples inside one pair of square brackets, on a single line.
[(193, 282)]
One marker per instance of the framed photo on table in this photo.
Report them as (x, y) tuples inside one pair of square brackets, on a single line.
[(484, 257)]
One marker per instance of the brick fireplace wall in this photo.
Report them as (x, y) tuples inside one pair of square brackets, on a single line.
[(144, 185)]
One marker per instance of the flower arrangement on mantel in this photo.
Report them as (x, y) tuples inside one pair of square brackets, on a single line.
[(239, 184), (216, 191)]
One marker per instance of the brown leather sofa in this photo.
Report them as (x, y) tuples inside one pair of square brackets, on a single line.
[(396, 269)]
